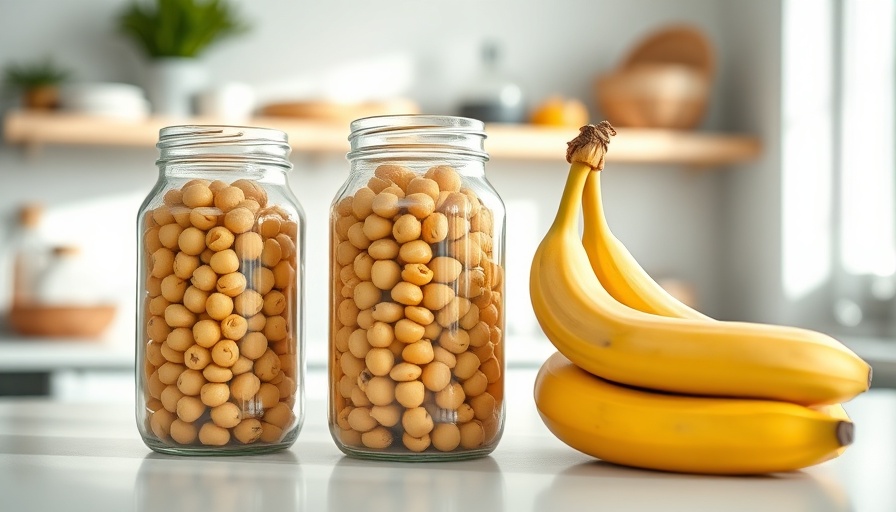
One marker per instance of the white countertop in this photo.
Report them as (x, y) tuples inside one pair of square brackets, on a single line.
[(88, 456)]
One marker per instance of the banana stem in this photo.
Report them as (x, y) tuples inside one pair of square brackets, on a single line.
[(585, 153)]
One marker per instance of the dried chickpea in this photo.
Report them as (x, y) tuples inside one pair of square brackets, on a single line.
[(219, 306), (385, 274), (406, 293), (190, 408), (242, 365), (380, 335), (181, 215), (262, 280), (385, 249), (436, 375), (282, 416), (190, 382), (479, 334), (434, 228), (204, 217), (360, 420), (418, 353), (406, 228), (410, 394), (214, 394), (213, 435), (467, 365), (416, 273), (215, 373), (436, 296), (351, 365), (415, 444), (379, 361), (197, 194), (173, 196), (183, 432), (388, 312), (416, 251), (239, 220), (244, 387), (424, 186), (492, 369), (197, 357), (227, 198), (204, 278), (357, 237), (457, 205), (162, 215), (419, 205), (271, 254), (483, 406), (405, 372), (376, 228), (162, 262), (157, 306), (231, 284), (275, 328), (365, 319), (379, 438), (445, 176), (445, 437), (451, 397), (267, 366), (380, 391), (358, 345), (385, 415), (225, 353), (366, 295), (169, 397), (248, 431), (385, 204), (176, 315), (160, 423), (469, 320), (226, 415), (407, 331), (455, 341), (195, 299), (252, 190), (224, 262), (248, 303), (362, 203), (168, 235), (256, 323), (157, 329), (206, 256), (234, 327), (443, 356), (154, 353), (184, 265), (417, 422), (191, 241), (253, 345)]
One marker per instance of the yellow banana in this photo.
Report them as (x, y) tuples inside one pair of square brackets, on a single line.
[(615, 267), (623, 278), (682, 355), (681, 433)]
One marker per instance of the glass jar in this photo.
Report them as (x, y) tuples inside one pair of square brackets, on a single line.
[(220, 275), (416, 365)]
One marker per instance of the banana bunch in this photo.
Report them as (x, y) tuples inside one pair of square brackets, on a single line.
[(647, 381)]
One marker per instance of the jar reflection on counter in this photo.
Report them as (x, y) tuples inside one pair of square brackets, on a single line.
[(220, 284), (417, 283)]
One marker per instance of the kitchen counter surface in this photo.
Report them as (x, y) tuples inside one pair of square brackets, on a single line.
[(87, 456)]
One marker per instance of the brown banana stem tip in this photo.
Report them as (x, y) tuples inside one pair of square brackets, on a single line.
[(590, 146), (845, 433)]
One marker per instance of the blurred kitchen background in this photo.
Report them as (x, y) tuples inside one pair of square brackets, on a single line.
[(759, 186)]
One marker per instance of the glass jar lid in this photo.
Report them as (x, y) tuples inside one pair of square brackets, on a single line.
[(417, 134), (191, 143)]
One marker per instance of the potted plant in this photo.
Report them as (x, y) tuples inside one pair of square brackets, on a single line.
[(38, 82), (173, 34)]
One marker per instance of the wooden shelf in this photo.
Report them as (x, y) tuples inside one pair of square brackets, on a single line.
[(699, 149)]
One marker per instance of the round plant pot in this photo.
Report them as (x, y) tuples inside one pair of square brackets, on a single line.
[(172, 84)]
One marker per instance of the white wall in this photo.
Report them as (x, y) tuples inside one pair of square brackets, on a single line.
[(673, 220)]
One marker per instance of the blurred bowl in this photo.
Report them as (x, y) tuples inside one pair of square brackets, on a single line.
[(672, 96), (87, 322)]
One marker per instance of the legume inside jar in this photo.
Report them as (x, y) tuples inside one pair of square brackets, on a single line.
[(417, 293), (220, 363)]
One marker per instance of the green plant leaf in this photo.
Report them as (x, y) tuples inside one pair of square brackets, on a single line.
[(179, 28)]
